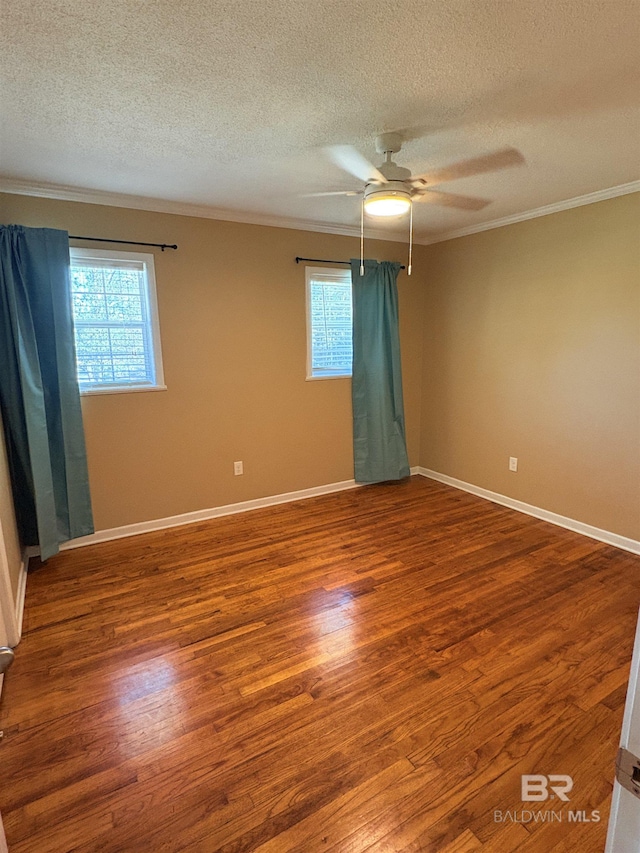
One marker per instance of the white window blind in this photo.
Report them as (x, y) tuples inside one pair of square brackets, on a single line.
[(329, 323), (115, 319)]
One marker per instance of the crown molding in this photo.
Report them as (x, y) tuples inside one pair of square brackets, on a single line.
[(556, 207), (62, 192)]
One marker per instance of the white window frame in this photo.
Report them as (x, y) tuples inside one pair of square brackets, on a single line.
[(327, 274), (153, 322)]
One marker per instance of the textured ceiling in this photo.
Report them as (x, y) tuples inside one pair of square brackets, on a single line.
[(228, 103)]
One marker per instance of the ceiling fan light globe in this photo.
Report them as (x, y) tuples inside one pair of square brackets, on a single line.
[(387, 204)]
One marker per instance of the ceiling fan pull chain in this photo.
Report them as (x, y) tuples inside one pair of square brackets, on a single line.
[(410, 239), (362, 237)]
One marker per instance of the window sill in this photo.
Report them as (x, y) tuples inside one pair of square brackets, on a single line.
[(335, 376), (92, 392)]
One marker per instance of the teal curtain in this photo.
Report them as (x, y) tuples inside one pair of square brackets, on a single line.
[(39, 396), (379, 444)]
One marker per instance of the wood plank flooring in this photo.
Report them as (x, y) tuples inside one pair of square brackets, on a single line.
[(366, 671)]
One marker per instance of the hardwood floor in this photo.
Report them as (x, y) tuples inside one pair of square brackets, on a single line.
[(366, 671)]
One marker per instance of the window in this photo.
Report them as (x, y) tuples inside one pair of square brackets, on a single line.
[(116, 321), (329, 323)]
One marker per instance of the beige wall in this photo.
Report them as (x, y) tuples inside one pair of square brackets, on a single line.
[(532, 349), (528, 336), (232, 317)]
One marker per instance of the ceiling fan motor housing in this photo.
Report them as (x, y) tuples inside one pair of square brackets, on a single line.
[(393, 172), (390, 188)]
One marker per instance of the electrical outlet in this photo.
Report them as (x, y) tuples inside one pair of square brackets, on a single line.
[(237, 468), (513, 463)]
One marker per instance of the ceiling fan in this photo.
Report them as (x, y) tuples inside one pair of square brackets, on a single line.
[(390, 190)]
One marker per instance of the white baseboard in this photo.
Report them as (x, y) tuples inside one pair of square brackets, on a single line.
[(552, 517), (3, 838), (22, 591), (614, 539), (15, 629), (206, 514)]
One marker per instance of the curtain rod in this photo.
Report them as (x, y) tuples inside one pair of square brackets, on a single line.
[(162, 246), (325, 261)]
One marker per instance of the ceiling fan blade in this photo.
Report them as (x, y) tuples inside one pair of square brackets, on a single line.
[(463, 202), (503, 159), (352, 161), (337, 192)]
